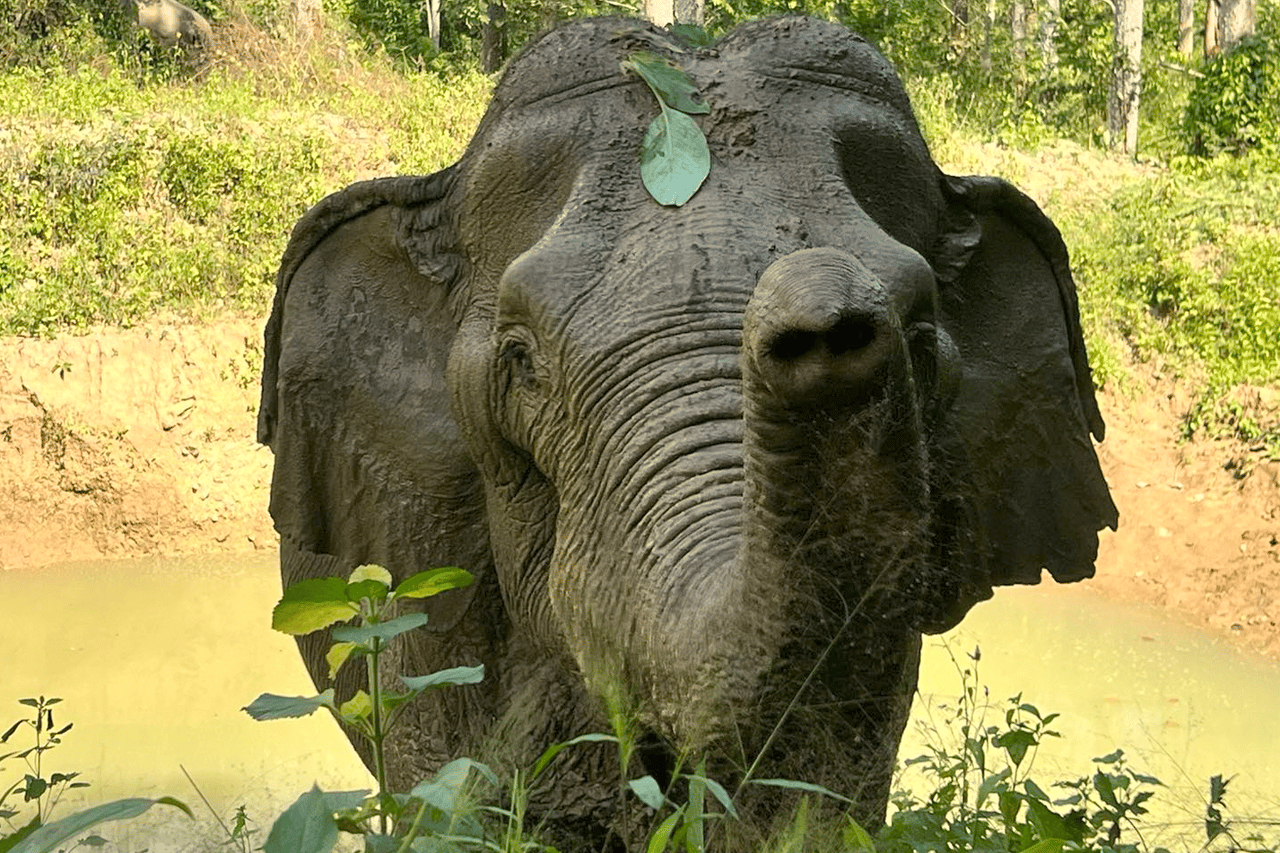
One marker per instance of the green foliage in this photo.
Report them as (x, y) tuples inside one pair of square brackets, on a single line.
[(1182, 267), (387, 820), (1235, 106), (674, 158), (119, 201)]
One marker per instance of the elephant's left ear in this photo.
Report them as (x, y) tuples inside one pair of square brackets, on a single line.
[(1025, 407)]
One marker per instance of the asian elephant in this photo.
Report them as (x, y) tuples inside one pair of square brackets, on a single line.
[(719, 465), (171, 24)]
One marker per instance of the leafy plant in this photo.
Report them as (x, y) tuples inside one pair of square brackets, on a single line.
[(1235, 106), (982, 795), (312, 823), (34, 786), (674, 158), (39, 835)]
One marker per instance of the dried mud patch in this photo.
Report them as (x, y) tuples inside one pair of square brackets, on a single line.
[(126, 442)]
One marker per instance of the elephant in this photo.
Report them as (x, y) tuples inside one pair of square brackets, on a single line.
[(716, 468), (171, 24)]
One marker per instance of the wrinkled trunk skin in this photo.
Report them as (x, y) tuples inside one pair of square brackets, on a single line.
[(837, 504)]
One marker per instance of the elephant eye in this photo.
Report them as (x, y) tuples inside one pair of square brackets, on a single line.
[(516, 358)]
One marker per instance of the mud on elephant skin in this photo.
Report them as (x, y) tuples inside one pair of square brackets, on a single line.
[(722, 462)]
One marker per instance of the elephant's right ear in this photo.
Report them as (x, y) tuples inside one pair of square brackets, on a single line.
[(369, 463)]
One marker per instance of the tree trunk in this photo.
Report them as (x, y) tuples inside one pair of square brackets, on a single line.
[(493, 50), (306, 18), (431, 20), (988, 25), (661, 12), (959, 26), (1050, 15), (1186, 27), (1018, 34), (1126, 77), (1237, 20), (664, 13), (1211, 8)]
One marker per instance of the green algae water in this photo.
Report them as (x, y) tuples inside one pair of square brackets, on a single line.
[(155, 657)]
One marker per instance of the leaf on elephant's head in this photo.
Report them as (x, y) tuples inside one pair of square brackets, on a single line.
[(690, 35), (669, 84), (674, 158)]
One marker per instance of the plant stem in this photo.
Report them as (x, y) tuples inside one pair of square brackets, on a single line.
[(379, 763)]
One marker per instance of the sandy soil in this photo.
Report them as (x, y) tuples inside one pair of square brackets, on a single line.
[(141, 441)]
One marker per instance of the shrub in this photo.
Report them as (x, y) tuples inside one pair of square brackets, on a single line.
[(1236, 105)]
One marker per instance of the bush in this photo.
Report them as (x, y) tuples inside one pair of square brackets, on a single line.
[(1236, 105)]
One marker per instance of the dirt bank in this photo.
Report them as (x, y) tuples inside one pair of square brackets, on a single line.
[(141, 441)]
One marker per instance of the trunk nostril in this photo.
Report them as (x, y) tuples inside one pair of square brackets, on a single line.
[(792, 344), (851, 334)]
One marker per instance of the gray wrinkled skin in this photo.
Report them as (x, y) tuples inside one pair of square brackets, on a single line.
[(721, 463)]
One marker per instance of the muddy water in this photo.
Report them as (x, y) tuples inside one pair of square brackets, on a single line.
[(1184, 705), (154, 657)]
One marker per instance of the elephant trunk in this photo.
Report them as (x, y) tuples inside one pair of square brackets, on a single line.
[(836, 512)]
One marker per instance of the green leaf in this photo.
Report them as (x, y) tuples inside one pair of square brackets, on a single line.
[(690, 35), (337, 655), (357, 708), (308, 826), (1047, 845), (674, 158), (371, 572), (856, 838), (695, 837), (669, 84), (556, 748), (453, 675), (1016, 743), (1111, 758), (1217, 788), (432, 582), (662, 835), (313, 604), (802, 786), (717, 790), (384, 631), (441, 792), (992, 783), (1048, 824), (646, 788), (47, 838), (269, 706)]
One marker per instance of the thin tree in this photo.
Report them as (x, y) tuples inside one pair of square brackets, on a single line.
[(431, 21), (307, 18), (1050, 15), (664, 13), (1126, 77), (1186, 27), (1211, 8), (493, 45)]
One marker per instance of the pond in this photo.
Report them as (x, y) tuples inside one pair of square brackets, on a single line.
[(154, 658)]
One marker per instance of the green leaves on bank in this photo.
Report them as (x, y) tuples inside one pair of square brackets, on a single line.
[(674, 158)]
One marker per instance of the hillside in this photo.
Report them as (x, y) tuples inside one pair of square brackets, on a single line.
[(123, 434)]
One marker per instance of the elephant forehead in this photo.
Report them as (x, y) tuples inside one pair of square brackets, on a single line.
[(583, 57)]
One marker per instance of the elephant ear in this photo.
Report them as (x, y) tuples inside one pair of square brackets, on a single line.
[(369, 463), (1025, 407)]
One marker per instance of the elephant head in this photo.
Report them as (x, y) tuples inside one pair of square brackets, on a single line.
[(721, 463)]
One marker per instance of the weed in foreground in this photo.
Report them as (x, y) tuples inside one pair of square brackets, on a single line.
[(39, 835)]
